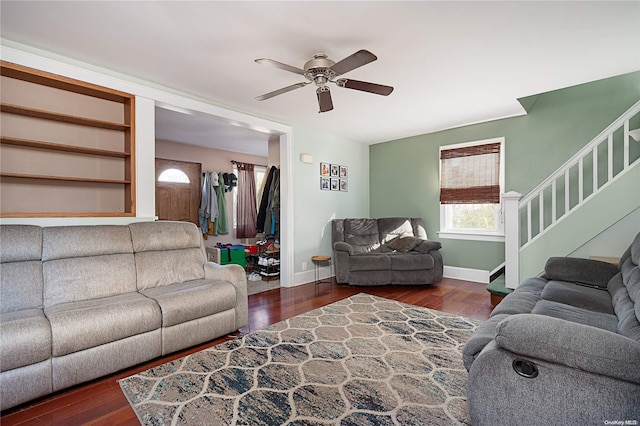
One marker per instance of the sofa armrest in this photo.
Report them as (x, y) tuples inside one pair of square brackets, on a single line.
[(575, 345), (342, 246), (581, 271), (236, 275)]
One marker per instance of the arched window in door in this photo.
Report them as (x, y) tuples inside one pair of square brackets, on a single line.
[(173, 176), (178, 185)]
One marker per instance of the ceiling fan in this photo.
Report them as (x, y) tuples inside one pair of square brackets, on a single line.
[(321, 70)]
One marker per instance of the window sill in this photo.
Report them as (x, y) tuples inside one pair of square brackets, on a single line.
[(449, 235)]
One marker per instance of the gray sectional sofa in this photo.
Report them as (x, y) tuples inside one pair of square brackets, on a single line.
[(563, 348), (80, 302), (384, 251)]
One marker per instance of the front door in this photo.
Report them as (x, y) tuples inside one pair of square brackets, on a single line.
[(178, 190)]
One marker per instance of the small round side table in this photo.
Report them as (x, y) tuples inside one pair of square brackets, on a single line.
[(316, 261)]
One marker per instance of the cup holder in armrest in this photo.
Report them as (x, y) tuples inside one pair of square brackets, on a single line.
[(525, 368)]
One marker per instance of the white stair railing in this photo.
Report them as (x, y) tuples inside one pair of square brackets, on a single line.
[(591, 170), (579, 179)]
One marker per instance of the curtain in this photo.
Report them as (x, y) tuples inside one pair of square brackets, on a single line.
[(247, 211), (470, 175)]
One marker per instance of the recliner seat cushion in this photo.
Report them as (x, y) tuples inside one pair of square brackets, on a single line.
[(601, 320), (25, 338), (369, 262), (187, 301), (579, 296), (411, 261), (516, 303), (86, 324)]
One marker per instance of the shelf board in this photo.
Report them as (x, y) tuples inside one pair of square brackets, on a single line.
[(67, 214), (62, 147), (31, 75), (63, 178), (65, 118)]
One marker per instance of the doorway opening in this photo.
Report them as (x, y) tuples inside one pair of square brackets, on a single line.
[(280, 140)]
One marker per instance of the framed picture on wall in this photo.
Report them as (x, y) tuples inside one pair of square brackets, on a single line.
[(325, 169), (325, 183), (344, 172), (335, 170), (344, 185), (335, 184)]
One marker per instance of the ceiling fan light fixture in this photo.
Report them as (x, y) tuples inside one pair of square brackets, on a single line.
[(321, 70), (320, 60)]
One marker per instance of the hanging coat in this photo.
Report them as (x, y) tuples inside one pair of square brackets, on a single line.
[(273, 205), (213, 202), (264, 201), (204, 213), (221, 225)]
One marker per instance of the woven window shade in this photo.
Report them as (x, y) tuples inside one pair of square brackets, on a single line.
[(470, 175)]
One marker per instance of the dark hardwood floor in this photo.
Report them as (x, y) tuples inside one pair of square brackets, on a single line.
[(101, 402)]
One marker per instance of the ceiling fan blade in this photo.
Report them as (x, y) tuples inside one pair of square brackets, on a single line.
[(280, 91), (324, 99), (358, 59), (364, 86), (280, 65)]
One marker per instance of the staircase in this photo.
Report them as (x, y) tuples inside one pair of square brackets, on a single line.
[(594, 189)]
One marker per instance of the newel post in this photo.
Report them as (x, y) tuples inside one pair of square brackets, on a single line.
[(511, 200)]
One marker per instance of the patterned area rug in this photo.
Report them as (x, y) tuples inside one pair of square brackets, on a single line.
[(363, 360)]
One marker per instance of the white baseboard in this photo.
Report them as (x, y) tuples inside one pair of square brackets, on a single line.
[(309, 276), (466, 274)]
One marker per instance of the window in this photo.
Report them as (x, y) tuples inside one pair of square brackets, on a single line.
[(259, 172), (173, 176), (471, 181)]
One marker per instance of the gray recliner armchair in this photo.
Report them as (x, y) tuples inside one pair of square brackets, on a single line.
[(384, 251), (563, 348)]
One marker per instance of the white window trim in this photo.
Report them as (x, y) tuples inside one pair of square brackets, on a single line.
[(470, 234)]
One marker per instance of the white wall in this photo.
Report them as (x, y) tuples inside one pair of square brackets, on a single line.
[(613, 241), (314, 208)]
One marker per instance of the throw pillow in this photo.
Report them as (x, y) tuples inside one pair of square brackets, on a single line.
[(404, 243), (426, 246)]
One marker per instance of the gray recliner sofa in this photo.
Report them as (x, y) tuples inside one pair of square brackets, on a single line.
[(384, 251), (80, 302), (563, 348)]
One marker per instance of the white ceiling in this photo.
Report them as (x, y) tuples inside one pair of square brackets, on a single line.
[(451, 63)]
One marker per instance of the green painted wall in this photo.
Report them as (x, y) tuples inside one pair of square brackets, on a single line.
[(404, 173)]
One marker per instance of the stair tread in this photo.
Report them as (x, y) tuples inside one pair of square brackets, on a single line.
[(498, 287)]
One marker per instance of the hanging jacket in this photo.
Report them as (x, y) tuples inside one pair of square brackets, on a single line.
[(204, 212), (213, 202), (264, 201), (273, 205), (221, 225)]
